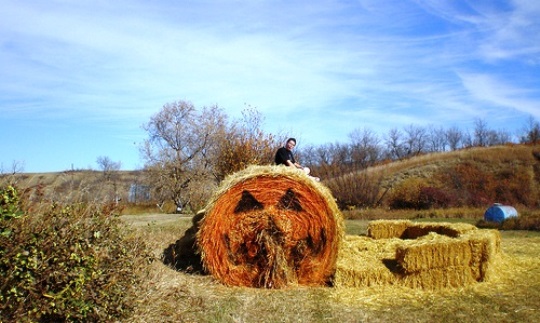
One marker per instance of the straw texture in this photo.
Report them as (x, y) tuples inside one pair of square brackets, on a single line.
[(418, 255), (271, 226)]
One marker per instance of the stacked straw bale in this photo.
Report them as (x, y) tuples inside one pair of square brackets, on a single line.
[(382, 229), (433, 251), (364, 262), (271, 226), (486, 249), (405, 229), (418, 255)]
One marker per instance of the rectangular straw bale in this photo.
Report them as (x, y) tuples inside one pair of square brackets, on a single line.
[(485, 247), (453, 230), (387, 229), (435, 279), (365, 277), (437, 252), (361, 262)]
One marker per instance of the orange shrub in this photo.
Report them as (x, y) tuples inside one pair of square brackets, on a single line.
[(407, 194)]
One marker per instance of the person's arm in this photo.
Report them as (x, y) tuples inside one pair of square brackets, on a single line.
[(291, 164)]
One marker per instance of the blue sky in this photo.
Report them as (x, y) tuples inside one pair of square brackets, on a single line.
[(79, 78)]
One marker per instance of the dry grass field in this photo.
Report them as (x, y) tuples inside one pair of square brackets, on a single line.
[(167, 295)]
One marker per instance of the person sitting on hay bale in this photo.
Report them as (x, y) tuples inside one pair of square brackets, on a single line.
[(284, 156)]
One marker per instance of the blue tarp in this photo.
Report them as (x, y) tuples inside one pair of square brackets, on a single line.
[(498, 213)]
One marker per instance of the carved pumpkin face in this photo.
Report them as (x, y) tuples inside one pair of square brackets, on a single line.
[(268, 232)]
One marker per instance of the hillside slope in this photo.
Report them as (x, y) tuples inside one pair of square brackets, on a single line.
[(470, 177), (76, 186)]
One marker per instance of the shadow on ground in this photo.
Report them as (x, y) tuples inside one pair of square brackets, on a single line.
[(183, 255)]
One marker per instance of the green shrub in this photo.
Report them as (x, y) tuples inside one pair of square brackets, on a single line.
[(9, 208), (68, 263)]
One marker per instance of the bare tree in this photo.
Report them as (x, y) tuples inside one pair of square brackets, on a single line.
[(178, 152), (455, 138), (499, 137), (394, 144), (321, 157), (16, 168), (437, 139), (309, 155), (504, 136), (107, 166), (468, 140), (333, 159), (531, 132), (481, 133), (415, 140), (365, 146)]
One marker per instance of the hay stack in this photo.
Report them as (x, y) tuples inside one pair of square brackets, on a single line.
[(271, 226), (384, 229), (365, 262), (405, 229), (485, 248), (433, 251), (418, 255)]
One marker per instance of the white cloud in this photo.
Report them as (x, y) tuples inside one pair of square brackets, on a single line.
[(499, 93), (322, 68)]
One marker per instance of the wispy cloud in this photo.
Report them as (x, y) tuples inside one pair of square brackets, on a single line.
[(500, 94), (320, 68)]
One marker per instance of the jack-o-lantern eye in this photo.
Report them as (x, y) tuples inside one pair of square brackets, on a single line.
[(289, 201), (248, 203)]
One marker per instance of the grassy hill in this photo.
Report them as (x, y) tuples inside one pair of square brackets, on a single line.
[(475, 177), (470, 178), (76, 186)]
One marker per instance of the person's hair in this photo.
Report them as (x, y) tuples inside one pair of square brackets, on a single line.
[(291, 139)]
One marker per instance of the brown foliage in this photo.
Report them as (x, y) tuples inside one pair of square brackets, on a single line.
[(243, 144), (362, 190), (406, 195)]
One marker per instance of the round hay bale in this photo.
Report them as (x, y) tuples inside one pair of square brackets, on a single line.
[(271, 226)]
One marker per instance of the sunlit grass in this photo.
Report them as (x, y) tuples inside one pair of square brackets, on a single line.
[(172, 296)]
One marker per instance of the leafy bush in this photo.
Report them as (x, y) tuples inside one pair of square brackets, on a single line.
[(9, 208), (68, 263), (515, 186)]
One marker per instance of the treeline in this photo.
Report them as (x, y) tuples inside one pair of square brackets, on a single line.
[(190, 150), (366, 148)]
